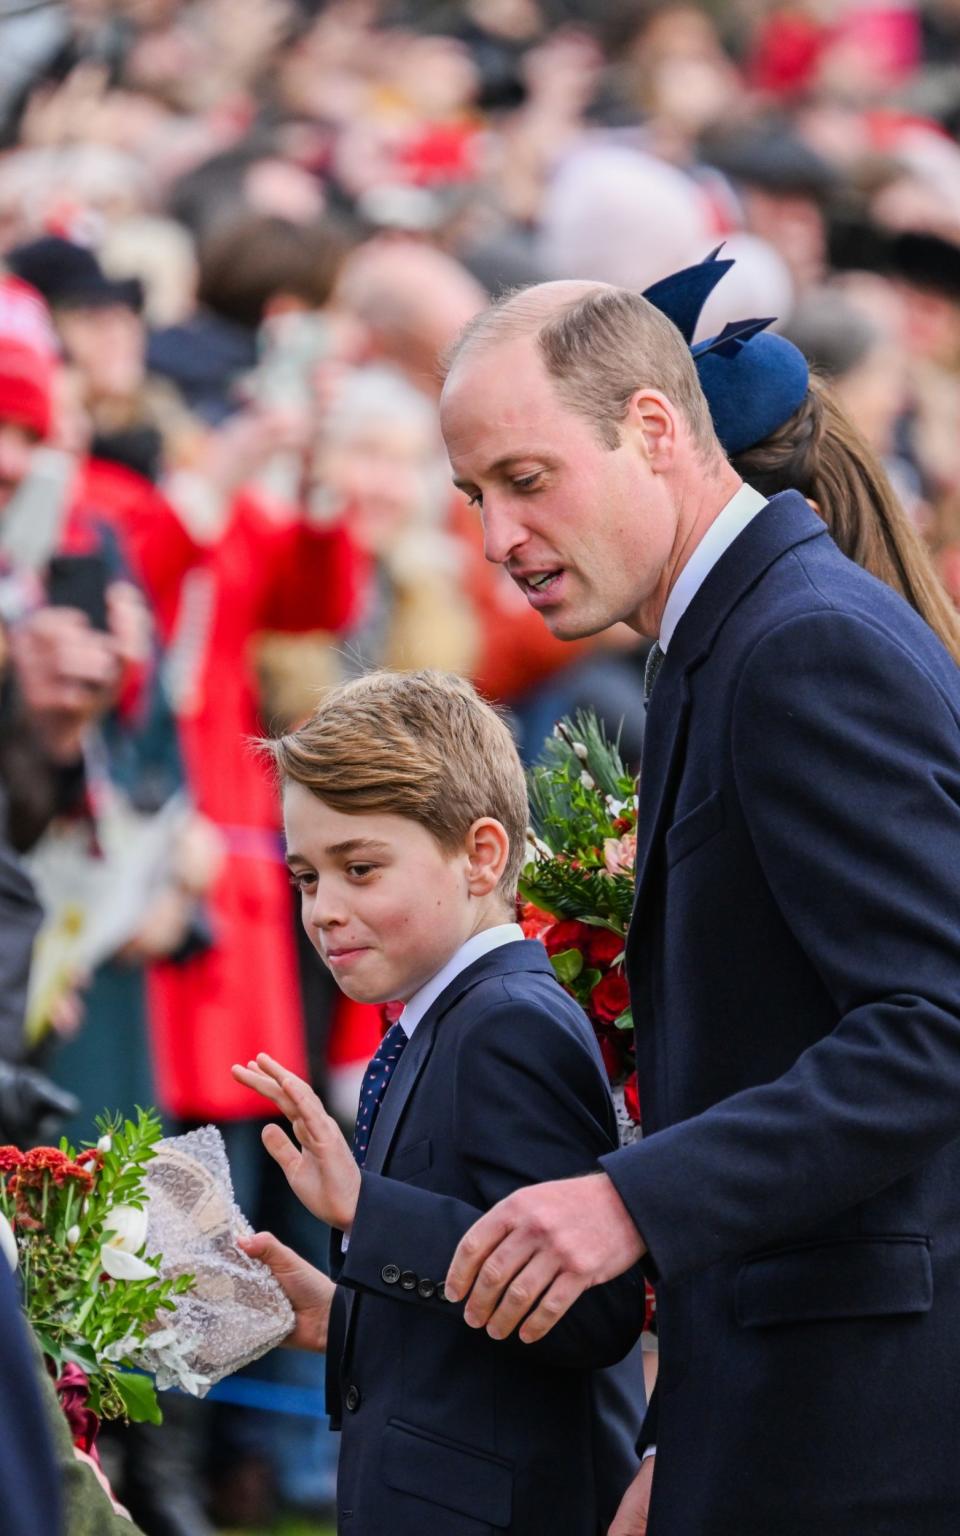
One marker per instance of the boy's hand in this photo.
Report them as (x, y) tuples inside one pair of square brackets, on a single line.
[(323, 1175), (309, 1291)]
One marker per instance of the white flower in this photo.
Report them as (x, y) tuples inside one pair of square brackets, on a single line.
[(8, 1243), (128, 1228), (581, 751), (73, 1236), (587, 781), (105, 1144), (121, 1265)]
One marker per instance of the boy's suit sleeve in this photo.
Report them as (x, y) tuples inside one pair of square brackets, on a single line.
[(530, 1104)]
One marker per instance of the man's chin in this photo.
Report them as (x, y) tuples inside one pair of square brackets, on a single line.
[(566, 625)]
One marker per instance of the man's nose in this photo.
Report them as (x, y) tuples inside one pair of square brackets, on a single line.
[(502, 533)]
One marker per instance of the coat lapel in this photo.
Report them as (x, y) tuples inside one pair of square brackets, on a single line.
[(526, 955), (786, 521)]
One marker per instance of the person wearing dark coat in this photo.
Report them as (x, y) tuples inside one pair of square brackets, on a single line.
[(793, 955)]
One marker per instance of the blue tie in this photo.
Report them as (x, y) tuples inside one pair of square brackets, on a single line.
[(374, 1086)]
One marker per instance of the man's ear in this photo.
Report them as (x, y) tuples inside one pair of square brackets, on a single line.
[(652, 419), (488, 849)]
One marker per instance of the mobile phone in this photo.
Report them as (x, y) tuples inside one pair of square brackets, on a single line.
[(80, 581)]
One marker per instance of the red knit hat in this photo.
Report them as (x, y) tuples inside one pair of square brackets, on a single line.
[(26, 387), (28, 357)]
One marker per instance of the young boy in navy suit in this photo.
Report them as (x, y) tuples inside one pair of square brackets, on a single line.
[(405, 813)]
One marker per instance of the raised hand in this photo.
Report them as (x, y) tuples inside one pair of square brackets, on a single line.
[(323, 1173), (309, 1291)]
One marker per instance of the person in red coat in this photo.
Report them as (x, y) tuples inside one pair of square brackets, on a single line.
[(262, 574)]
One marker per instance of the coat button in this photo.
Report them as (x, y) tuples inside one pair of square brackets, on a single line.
[(408, 1280), (440, 1292), (351, 1398), (390, 1274), (426, 1289)]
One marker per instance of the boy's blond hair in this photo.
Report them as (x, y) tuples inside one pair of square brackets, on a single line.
[(416, 744)]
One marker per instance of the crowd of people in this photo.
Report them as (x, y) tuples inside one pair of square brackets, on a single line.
[(236, 242)]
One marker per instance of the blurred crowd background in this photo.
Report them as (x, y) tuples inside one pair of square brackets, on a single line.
[(236, 237)]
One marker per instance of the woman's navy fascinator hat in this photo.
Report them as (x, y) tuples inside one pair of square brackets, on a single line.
[(753, 379)]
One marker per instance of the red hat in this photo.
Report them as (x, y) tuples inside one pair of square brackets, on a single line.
[(26, 387), (28, 357)]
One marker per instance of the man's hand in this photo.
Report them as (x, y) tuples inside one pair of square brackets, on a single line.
[(323, 1175), (309, 1291), (551, 1241), (631, 1517), (68, 673)]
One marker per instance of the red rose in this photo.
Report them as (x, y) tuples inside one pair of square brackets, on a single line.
[(631, 1098), (612, 1053), (568, 934), (534, 922), (610, 996), (603, 947)]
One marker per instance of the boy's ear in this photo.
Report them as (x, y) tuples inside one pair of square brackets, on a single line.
[(488, 849)]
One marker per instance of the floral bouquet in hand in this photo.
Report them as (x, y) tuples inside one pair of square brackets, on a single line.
[(75, 1224), (577, 888)]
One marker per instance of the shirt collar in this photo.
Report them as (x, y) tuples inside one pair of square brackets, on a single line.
[(730, 521), (480, 944)]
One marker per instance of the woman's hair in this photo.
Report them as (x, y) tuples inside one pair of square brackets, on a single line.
[(820, 453)]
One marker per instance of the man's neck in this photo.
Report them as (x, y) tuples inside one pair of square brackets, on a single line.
[(699, 504)]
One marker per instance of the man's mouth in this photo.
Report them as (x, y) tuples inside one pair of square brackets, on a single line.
[(538, 584)]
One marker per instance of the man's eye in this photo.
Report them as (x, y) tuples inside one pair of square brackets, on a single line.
[(526, 482), (476, 500), (360, 871), (302, 881)]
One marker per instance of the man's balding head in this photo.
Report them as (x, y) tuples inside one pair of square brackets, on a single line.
[(599, 344)]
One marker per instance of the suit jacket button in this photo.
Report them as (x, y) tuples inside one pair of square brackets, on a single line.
[(408, 1280), (351, 1398), (440, 1292), (390, 1274), (426, 1289)]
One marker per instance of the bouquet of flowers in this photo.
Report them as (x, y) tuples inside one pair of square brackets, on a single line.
[(76, 1225), (577, 888), (129, 1265)]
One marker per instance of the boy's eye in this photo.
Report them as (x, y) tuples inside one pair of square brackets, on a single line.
[(360, 871)]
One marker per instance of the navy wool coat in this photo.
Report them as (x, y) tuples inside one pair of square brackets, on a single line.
[(794, 963)]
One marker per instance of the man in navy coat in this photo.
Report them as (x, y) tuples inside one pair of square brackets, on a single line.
[(793, 957)]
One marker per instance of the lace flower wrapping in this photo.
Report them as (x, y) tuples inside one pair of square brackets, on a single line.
[(236, 1311)]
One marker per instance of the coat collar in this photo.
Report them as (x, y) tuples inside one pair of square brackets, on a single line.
[(785, 522)]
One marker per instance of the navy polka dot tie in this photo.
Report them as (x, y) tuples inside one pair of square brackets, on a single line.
[(374, 1086)]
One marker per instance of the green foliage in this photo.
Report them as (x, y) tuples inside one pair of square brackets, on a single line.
[(78, 1312), (583, 802)]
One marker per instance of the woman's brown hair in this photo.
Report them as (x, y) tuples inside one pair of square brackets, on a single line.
[(819, 452)]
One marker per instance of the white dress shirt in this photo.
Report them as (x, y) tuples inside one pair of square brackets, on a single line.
[(740, 510), (480, 944)]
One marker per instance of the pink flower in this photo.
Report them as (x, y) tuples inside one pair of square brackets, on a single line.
[(620, 854)]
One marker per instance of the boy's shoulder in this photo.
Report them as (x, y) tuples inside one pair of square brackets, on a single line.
[(518, 991)]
